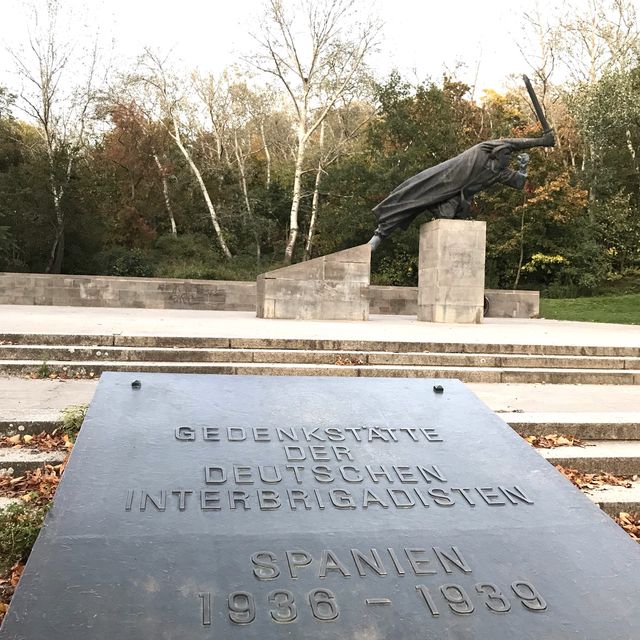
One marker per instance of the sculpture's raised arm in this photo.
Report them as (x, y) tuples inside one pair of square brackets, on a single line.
[(545, 140)]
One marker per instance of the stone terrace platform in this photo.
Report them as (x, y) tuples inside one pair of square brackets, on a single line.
[(17, 319)]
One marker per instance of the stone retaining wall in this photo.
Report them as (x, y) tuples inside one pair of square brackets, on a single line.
[(218, 295), (503, 303), (106, 291)]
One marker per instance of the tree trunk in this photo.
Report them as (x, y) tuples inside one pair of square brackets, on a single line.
[(297, 193), (165, 190), (56, 254), (218, 140), (565, 162), (316, 199), (592, 181), (521, 260), (267, 154), (54, 264), (203, 188), (243, 177), (632, 151), (245, 193)]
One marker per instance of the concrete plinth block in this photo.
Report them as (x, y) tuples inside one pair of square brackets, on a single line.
[(513, 304), (332, 287), (451, 313), (451, 271)]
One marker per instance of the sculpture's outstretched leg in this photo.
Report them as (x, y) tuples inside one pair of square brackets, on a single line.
[(375, 241)]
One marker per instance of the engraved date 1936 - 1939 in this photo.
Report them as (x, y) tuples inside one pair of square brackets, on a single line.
[(283, 606)]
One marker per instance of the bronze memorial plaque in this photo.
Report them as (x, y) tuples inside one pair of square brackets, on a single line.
[(204, 507)]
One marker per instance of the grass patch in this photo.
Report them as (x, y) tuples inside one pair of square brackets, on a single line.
[(43, 370), (72, 418), (20, 524), (623, 309)]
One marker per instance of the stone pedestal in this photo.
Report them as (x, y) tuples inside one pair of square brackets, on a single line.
[(506, 303), (451, 271), (333, 287)]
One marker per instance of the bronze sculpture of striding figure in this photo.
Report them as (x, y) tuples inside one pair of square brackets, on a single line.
[(446, 190)]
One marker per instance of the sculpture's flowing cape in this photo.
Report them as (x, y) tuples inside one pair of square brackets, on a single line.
[(460, 177)]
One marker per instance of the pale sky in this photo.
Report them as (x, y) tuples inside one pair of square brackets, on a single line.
[(421, 38)]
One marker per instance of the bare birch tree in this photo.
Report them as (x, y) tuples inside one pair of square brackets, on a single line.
[(171, 103), (591, 39), (165, 190), (59, 77), (215, 98), (540, 49), (241, 99), (598, 36), (338, 132), (308, 46)]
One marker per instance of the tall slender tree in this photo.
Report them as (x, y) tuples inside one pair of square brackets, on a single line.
[(166, 92), (59, 75), (316, 49)]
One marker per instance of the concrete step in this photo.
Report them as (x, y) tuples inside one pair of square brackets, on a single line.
[(18, 461), (621, 458), (611, 499), (23, 398), (47, 353), (614, 500), (558, 398), (587, 426), (338, 344), (582, 425), (14, 427), (466, 374), (506, 361), (588, 412)]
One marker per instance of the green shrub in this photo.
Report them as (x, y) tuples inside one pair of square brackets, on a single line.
[(189, 271), (559, 290), (196, 256), (120, 261), (189, 256), (20, 524), (242, 267), (7, 246), (399, 269), (43, 370), (621, 283), (190, 247), (72, 418)]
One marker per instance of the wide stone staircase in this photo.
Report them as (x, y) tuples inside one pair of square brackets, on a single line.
[(87, 355), (538, 389)]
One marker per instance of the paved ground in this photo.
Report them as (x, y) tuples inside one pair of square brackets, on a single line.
[(23, 398), (229, 324), (557, 398)]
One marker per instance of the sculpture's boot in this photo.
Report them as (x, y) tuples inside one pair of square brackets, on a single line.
[(374, 243)]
